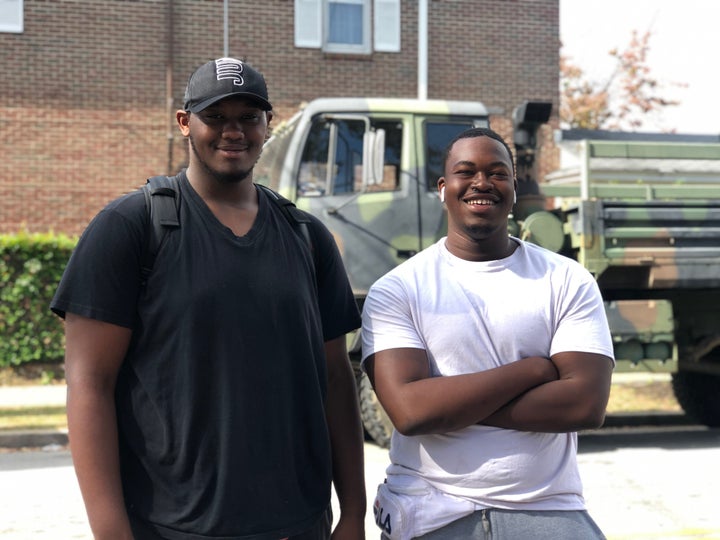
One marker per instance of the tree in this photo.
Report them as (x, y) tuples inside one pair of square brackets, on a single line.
[(624, 101)]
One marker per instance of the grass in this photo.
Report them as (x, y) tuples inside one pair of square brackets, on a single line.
[(35, 417), (654, 395), (642, 396), (28, 418)]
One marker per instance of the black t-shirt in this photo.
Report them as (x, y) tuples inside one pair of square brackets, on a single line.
[(221, 396)]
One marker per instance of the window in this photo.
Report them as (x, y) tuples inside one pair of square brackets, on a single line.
[(346, 26), (11, 16), (343, 26), (336, 145)]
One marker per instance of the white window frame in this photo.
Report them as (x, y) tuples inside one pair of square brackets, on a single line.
[(11, 16), (312, 22), (344, 48)]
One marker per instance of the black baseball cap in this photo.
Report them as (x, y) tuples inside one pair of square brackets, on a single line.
[(223, 78)]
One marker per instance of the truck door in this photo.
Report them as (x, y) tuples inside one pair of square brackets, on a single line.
[(374, 224)]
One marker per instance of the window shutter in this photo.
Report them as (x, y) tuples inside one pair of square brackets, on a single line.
[(11, 16), (308, 23), (386, 18)]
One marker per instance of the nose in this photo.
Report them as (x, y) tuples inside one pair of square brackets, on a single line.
[(480, 179), (233, 128)]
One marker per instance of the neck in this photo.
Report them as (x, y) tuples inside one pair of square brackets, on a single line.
[(489, 248), (217, 189)]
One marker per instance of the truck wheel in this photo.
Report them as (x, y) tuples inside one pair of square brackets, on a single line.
[(375, 420), (699, 396)]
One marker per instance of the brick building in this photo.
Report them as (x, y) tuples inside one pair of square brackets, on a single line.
[(89, 87)]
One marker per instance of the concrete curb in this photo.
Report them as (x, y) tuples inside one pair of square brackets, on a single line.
[(32, 438)]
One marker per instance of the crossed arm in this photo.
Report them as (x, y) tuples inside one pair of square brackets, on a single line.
[(567, 392)]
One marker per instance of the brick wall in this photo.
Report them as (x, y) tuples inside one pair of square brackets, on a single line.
[(89, 89)]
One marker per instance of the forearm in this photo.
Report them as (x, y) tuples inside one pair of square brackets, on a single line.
[(572, 403), (94, 449), (424, 405), (346, 438)]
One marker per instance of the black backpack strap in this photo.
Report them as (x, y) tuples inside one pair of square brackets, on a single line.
[(294, 215), (162, 202)]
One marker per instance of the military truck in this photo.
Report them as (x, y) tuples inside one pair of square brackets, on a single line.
[(642, 213), (369, 167)]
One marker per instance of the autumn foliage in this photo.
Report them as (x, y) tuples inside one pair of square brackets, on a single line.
[(623, 101)]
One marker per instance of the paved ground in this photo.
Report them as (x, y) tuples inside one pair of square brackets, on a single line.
[(15, 396), (658, 485), (639, 484)]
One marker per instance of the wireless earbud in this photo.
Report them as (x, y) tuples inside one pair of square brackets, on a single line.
[(515, 197), (442, 194)]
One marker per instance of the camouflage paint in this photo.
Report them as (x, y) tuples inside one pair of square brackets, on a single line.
[(644, 218)]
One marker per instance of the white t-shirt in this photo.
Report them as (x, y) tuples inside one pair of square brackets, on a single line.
[(473, 316)]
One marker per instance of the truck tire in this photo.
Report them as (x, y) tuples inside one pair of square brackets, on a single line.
[(374, 418), (699, 396)]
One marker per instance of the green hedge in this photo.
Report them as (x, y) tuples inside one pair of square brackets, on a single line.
[(30, 268)]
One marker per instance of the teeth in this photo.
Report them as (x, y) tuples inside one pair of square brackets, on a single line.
[(481, 203)]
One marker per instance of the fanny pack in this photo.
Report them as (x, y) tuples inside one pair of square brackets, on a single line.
[(409, 507)]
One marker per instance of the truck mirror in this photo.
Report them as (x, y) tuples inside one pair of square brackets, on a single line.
[(377, 159), (373, 158)]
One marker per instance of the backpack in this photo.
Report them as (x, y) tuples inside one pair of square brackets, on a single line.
[(162, 202)]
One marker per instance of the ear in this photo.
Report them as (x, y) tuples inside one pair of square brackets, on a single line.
[(183, 120), (268, 129), (441, 189)]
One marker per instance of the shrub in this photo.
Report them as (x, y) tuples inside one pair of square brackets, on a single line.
[(31, 266)]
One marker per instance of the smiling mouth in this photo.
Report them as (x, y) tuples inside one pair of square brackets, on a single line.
[(481, 202), (233, 149)]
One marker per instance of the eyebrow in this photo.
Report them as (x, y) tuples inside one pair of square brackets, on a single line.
[(466, 163)]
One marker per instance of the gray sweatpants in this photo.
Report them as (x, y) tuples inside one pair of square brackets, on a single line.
[(494, 524)]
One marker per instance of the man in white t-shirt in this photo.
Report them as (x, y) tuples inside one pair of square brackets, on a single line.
[(489, 354)]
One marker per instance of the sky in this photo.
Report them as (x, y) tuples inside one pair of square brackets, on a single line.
[(684, 47)]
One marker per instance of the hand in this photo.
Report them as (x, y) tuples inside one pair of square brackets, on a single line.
[(349, 529)]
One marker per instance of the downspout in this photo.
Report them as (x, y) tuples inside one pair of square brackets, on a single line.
[(169, 20), (226, 32), (422, 95), (422, 48)]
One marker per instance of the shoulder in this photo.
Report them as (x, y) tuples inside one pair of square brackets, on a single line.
[(544, 258), (414, 273), (127, 210)]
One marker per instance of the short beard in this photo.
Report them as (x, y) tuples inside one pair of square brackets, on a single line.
[(223, 178)]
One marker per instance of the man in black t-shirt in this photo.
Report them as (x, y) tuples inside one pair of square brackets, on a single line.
[(216, 400)]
